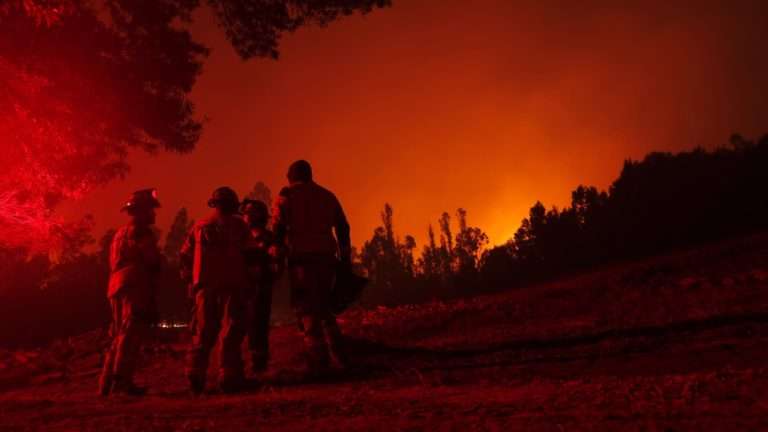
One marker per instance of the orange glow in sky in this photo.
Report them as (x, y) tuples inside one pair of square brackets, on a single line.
[(485, 105)]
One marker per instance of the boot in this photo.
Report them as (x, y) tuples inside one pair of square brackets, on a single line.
[(106, 379), (336, 348), (196, 384), (127, 387), (105, 384)]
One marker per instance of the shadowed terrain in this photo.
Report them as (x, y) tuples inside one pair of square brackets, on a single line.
[(676, 342)]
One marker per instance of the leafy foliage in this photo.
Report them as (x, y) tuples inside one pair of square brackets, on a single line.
[(255, 27), (85, 82), (176, 235), (397, 276), (262, 193), (662, 202)]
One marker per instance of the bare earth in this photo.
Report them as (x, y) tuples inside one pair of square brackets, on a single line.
[(673, 343)]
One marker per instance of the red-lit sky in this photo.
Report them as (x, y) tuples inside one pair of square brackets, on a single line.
[(488, 105)]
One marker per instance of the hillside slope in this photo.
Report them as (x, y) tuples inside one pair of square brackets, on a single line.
[(676, 342)]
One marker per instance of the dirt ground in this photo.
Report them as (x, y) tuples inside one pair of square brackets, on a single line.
[(673, 343)]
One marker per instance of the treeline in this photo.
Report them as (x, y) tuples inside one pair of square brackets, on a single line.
[(664, 201), (45, 296), (449, 263)]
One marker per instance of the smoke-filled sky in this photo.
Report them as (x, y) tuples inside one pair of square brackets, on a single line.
[(488, 105)]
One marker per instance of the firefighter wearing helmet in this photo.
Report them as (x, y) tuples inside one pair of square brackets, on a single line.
[(135, 264), (213, 263), (263, 271)]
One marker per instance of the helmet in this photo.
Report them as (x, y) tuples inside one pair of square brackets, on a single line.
[(145, 198), (300, 171), (224, 197), (253, 206)]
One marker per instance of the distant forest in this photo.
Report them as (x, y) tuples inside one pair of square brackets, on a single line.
[(663, 202)]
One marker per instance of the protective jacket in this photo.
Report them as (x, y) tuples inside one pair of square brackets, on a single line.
[(305, 217), (135, 262), (212, 255)]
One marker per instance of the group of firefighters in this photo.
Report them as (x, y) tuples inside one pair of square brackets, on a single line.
[(231, 260)]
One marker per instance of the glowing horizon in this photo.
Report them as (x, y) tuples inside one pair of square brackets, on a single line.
[(487, 108)]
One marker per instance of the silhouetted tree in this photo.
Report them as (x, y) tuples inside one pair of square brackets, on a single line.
[(430, 262), (82, 83), (527, 239), (499, 268), (371, 255), (261, 192), (174, 240), (470, 245), (254, 27), (388, 262), (406, 254), (446, 245), (74, 237), (666, 200)]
